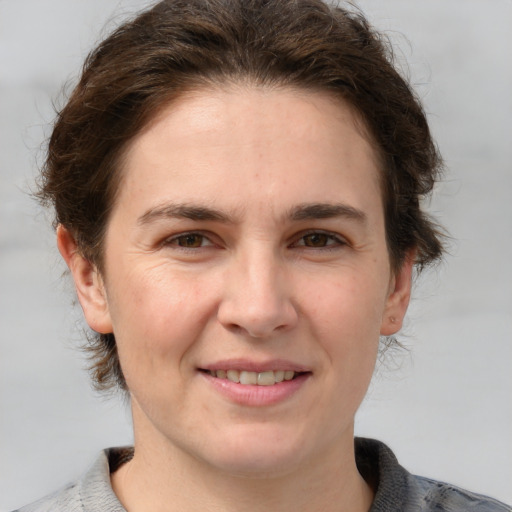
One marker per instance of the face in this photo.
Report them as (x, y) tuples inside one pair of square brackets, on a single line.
[(247, 243)]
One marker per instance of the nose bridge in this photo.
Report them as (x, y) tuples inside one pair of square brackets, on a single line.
[(257, 296)]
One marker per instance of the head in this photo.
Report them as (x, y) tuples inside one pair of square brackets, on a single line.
[(179, 47)]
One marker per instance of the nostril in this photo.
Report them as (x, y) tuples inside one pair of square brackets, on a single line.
[(256, 329), (234, 328)]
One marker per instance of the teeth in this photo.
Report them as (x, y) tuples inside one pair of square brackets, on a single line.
[(268, 378), (248, 378), (232, 375), (288, 375)]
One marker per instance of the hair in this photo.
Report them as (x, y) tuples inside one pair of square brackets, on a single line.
[(182, 45)]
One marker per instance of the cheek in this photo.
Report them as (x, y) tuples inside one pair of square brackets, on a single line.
[(348, 304), (157, 318), (346, 318)]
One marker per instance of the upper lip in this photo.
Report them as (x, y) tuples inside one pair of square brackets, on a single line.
[(255, 366)]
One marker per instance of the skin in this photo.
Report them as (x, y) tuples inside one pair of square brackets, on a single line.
[(260, 278)]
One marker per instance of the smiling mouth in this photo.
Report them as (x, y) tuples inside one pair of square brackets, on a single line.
[(267, 378)]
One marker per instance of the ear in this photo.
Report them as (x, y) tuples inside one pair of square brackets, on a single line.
[(398, 297), (89, 284)]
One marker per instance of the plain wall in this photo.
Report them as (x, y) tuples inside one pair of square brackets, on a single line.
[(443, 404)]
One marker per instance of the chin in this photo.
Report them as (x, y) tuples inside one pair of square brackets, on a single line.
[(258, 452)]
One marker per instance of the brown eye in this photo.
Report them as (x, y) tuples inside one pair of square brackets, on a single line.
[(190, 241), (316, 240)]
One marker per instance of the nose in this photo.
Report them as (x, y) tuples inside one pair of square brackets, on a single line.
[(257, 297)]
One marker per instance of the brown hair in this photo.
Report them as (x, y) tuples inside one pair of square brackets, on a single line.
[(180, 45)]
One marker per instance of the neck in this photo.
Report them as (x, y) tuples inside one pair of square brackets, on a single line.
[(162, 477)]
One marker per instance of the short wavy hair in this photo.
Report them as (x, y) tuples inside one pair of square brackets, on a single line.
[(182, 45)]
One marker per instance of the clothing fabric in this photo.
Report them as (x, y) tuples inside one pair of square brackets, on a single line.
[(396, 489)]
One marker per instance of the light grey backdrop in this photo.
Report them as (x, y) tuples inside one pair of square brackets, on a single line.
[(444, 406)]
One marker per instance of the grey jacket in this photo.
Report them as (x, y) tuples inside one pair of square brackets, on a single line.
[(396, 488)]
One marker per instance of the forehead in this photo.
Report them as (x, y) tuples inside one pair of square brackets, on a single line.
[(232, 106), (241, 143)]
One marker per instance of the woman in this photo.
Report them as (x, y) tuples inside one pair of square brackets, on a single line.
[(237, 191)]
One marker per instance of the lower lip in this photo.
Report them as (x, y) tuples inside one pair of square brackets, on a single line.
[(257, 396)]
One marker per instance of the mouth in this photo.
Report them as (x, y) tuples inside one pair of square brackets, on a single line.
[(256, 383), (251, 378)]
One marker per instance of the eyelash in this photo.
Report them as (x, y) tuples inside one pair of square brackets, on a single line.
[(331, 241), (175, 241)]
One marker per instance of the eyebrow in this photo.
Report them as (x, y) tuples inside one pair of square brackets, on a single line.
[(307, 211), (184, 211), (311, 211)]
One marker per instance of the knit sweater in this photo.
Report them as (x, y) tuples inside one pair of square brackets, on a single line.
[(396, 489)]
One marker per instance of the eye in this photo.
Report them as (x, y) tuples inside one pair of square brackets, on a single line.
[(319, 240), (189, 241), (316, 240)]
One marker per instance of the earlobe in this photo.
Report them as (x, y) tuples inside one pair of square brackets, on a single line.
[(89, 284), (398, 298)]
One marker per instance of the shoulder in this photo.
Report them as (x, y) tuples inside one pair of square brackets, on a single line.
[(397, 489), (90, 493), (441, 496), (67, 499)]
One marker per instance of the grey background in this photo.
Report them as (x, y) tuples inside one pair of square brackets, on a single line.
[(444, 405)]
